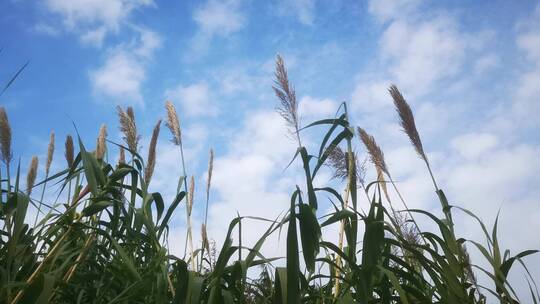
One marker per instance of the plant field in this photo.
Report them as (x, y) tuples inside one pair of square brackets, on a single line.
[(104, 236)]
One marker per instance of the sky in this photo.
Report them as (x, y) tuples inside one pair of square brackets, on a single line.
[(469, 69)]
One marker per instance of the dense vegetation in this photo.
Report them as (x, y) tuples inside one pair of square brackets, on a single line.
[(103, 239)]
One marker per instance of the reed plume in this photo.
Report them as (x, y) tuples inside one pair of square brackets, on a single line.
[(5, 137), (128, 127), (204, 237), (48, 162), (69, 154), (122, 156), (208, 182), (151, 162), (338, 160), (130, 113), (101, 145), (50, 154), (377, 158), (288, 107), (173, 123), (406, 119), (31, 176), (210, 170), (375, 153)]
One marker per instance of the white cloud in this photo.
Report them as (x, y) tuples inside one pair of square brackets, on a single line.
[(120, 77), (530, 43), (370, 96), (385, 10), (417, 55), (526, 101), (310, 107), (486, 63), (45, 28), (249, 178), (422, 54), (148, 43), (195, 99), (473, 145), (93, 19), (94, 37), (219, 17), (124, 70), (214, 18), (304, 10)]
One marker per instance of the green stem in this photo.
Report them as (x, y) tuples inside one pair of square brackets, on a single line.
[(41, 199)]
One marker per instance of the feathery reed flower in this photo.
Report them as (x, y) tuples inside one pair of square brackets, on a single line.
[(101, 145), (130, 113), (151, 162), (406, 119), (50, 153), (374, 151), (408, 125), (173, 123), (204, 237), (338, 160), (288, 107), (69, 154), (128, 127), (5, 137), (31, 176), (210, 169), (122, 156), (208, 182)]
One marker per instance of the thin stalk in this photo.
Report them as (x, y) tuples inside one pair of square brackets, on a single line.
[(189, 237), (41, 199), (350, 167), (36, 272), (406, 207), (239, 239)]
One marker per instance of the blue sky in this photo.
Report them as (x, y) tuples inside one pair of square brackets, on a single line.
[(470, 69)]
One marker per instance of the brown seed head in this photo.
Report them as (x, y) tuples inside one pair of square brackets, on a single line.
[(288, 107), (406, 118), (173, 123), (151, 162), (50, 153), (122, 156), (338, 160), (31, 176), (131, 113), (128, 127), (210, 169), (5, 137), (374, 151), (101, 145), (204, 237), (69, 154)]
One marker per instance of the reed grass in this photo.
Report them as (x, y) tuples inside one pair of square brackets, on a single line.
[(151, 161), (5, 137), (109, 243), (31, 176), (101, 145)]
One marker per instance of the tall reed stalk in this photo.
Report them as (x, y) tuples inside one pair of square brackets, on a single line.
[(48, 162)]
